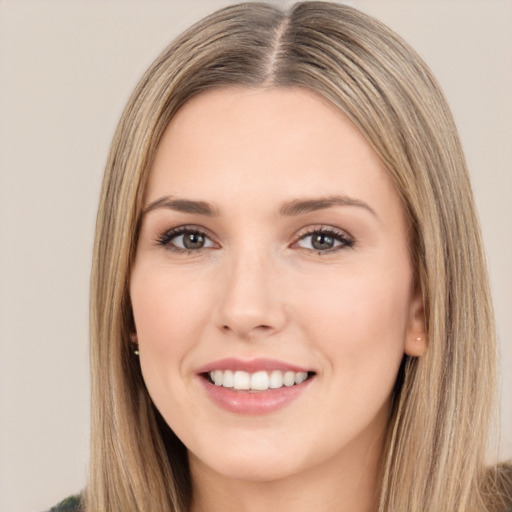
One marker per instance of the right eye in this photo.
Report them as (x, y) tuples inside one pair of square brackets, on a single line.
[(185, 239)]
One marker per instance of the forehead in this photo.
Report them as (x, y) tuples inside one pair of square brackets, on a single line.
[(273, 144)]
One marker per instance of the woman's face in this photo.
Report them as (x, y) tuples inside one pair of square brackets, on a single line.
[(272, 289)]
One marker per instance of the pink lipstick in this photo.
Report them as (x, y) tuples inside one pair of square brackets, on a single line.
[(257, 386)]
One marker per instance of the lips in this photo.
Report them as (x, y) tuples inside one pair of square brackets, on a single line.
[(258, 386), (250, 366)]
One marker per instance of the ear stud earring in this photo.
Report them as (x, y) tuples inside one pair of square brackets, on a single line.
[(133, 338)]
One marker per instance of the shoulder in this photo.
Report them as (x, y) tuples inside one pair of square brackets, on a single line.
[(71, 504), (497, 488)]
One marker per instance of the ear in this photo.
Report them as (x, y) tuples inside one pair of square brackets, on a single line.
[(133, 337), (416, 339)]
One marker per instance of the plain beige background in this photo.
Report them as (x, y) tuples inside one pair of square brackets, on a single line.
[(66, 70)]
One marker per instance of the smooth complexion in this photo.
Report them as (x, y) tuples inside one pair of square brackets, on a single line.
[(272, 231)]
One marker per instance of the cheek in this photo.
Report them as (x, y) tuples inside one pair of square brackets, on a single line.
[(168, 308), (358, 322), (170, 311)]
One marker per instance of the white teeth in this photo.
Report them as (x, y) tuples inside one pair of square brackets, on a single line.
[(217, 377), (300, 377), (228, 381), (289, 379), (241, 380), (276, 379), (258, 381)]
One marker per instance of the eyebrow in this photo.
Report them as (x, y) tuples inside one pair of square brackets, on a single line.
[(301, 206), (182, 205), (289, 209)]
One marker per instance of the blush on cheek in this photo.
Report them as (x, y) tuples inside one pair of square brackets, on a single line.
[(167, 310), (362, 323)]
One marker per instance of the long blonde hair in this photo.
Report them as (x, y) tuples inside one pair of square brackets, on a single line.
[(433, 458)]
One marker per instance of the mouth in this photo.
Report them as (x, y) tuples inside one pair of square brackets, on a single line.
[(259, 386), (255, 382)]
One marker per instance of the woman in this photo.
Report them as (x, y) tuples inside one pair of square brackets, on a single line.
[(289, 305)]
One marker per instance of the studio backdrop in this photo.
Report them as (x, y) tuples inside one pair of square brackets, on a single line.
[(66, 71)]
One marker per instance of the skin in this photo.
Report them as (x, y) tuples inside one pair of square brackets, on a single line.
[(258, 288)]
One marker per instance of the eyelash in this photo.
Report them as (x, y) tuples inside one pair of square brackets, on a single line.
[(344, 240), (165, 238)]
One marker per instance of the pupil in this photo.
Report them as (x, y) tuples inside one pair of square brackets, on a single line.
[(193, 241), (321, 241)]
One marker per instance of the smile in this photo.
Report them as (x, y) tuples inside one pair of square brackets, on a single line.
[(255, 387)]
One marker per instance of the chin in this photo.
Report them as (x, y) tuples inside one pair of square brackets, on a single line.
[(248, 468)]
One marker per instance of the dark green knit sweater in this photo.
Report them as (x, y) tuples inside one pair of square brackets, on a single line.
[(71, 504)]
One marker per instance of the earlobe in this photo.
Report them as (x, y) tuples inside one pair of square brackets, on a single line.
[(416, 340), (416, 346)]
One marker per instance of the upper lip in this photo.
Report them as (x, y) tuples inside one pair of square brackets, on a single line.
[(250, 365)]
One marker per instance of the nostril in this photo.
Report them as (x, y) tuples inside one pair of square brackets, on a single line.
[(257, 328)]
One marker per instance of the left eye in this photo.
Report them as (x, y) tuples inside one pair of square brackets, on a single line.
[(324, 241)]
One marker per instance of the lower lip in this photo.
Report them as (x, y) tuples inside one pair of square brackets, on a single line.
[(260, 402)]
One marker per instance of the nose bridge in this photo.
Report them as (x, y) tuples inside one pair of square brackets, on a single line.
[(252, 303)]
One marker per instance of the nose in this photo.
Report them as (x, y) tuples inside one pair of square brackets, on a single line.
[(253, 303)]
